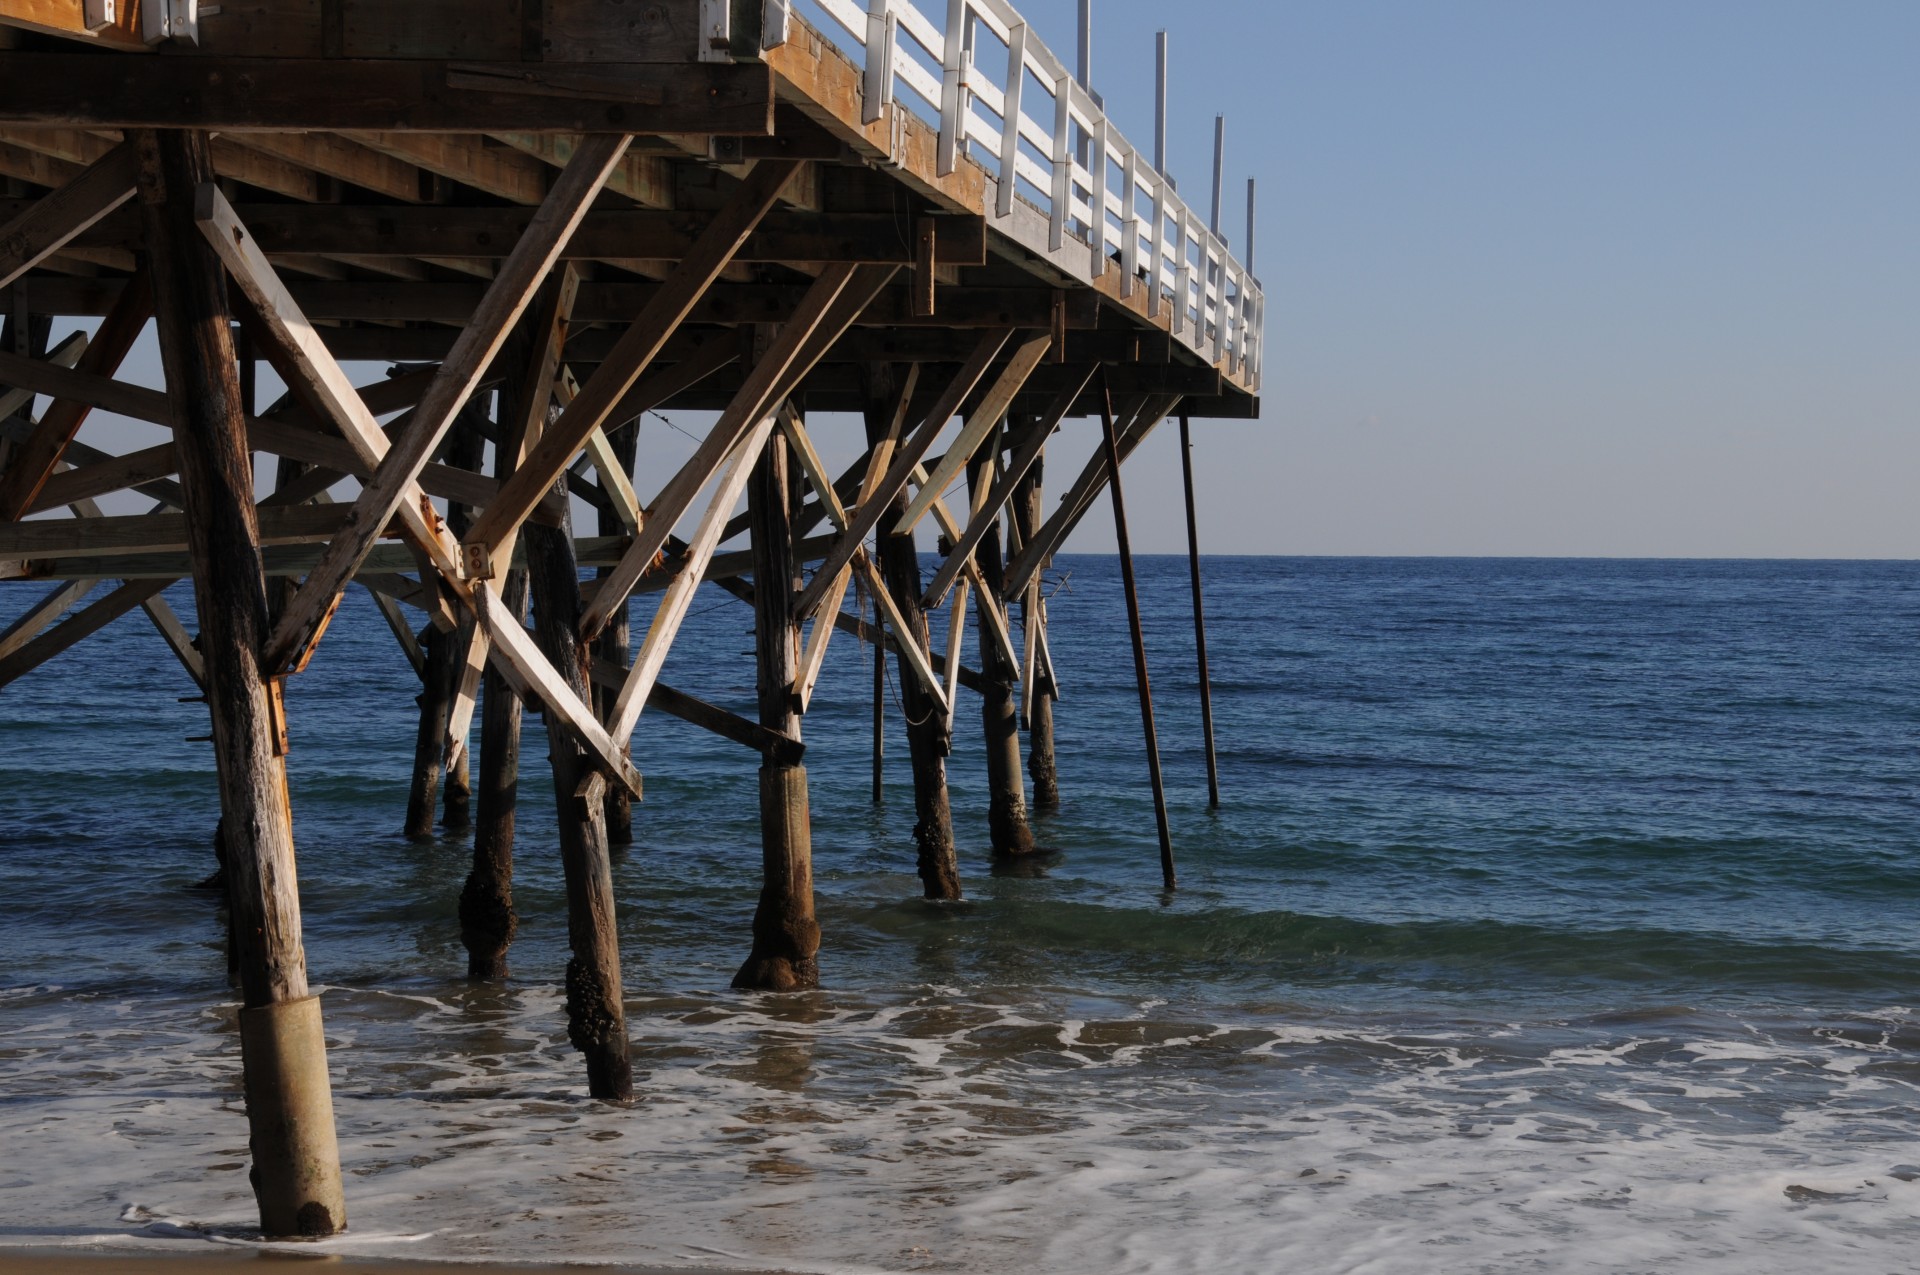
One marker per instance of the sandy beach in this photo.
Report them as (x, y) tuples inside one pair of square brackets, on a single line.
[(85, 1261)]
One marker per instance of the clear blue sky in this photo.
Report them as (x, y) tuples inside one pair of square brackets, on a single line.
[(1551, 278)]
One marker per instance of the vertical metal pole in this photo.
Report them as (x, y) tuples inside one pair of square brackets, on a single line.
[(879, 719), (1159, 105), (1199, 617), (1247, 252), (1219, 162), (1085, 66), (1139, 639)]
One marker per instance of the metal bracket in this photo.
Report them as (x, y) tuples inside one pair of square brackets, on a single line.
[(716, 31), (170, 20)]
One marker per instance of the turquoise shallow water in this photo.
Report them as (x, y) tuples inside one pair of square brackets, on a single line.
[(1559, 915)]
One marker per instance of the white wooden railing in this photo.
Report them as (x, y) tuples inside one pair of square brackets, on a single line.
[(1001, 98)]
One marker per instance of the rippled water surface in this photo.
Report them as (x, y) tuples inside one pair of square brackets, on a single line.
[(1560, 916)]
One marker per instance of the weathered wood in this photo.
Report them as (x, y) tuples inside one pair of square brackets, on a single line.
[(925, 715), (907, 455), (981, 422), (596, 1016), (1008, 829), (1036, 687), (296, 1161), (786, 937), (634, 352), (90, 620), (695, 711), (343, 94), (44, 228), (1199, 615), (1111, 442), (53, 604), (395, 482), (784, 361), (1080, 497), (35, 461), (626, 234), (615, 459)]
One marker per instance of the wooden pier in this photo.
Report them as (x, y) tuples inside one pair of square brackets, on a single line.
[(548, 221)]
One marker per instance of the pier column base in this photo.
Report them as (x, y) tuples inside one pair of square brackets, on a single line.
[(786, 937), (296, 1158)]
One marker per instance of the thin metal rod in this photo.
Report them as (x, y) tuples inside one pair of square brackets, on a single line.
[(1219, 168), (879, 718), (1199, 617), (1247, 254), (1085, 66), (1139, 638), (1160, 102)]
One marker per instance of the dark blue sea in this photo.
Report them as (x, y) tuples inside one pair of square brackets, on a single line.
[(1557, 916)]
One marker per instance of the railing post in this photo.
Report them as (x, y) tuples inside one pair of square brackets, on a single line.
[(1156, 241), (1097, 198), (878, 96), (1130, 224), (1010, 125), (952, 89), (1183, 271), (1062, 163)]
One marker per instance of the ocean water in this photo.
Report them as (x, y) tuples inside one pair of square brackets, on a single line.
[(1559, 916)]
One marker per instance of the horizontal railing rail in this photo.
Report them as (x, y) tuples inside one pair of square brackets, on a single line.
[(1000, 97)]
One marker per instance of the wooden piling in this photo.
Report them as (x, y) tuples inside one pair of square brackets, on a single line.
[(1029, 511), (1199, 616), (786, 937), (1112, 443), (296, 1162), (1007, 825), (446, 656), (596, 1017), (613, 641), (929, 734), (879, 723), (487, 920)]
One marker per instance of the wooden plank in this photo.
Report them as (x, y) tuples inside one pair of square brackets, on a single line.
[(635, 350), (468, 160), (342, 160), (348, 94), (956, 633), (62, 216), (1003, 489), (981, 423), (35, 460), (901, 469), (86, 388), (645, 179), (395, 482), (397, 622), (917, 659), (94, 617)]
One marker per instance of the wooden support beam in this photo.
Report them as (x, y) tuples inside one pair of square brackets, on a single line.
[(1025, 457), (679, 594), (242, 94), (981, 423), (905, 459), (156, 533), (709, 717), (396, 480), (343, 160), (90, 620), (630, 357), (772, 378), (311, 372), (36, 460), (1074, 505), (370, 232), (54, 604), (65, 355), (63, 216), (296, 1162)]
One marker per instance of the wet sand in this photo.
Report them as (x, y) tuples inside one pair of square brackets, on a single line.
[(109, 1261)]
